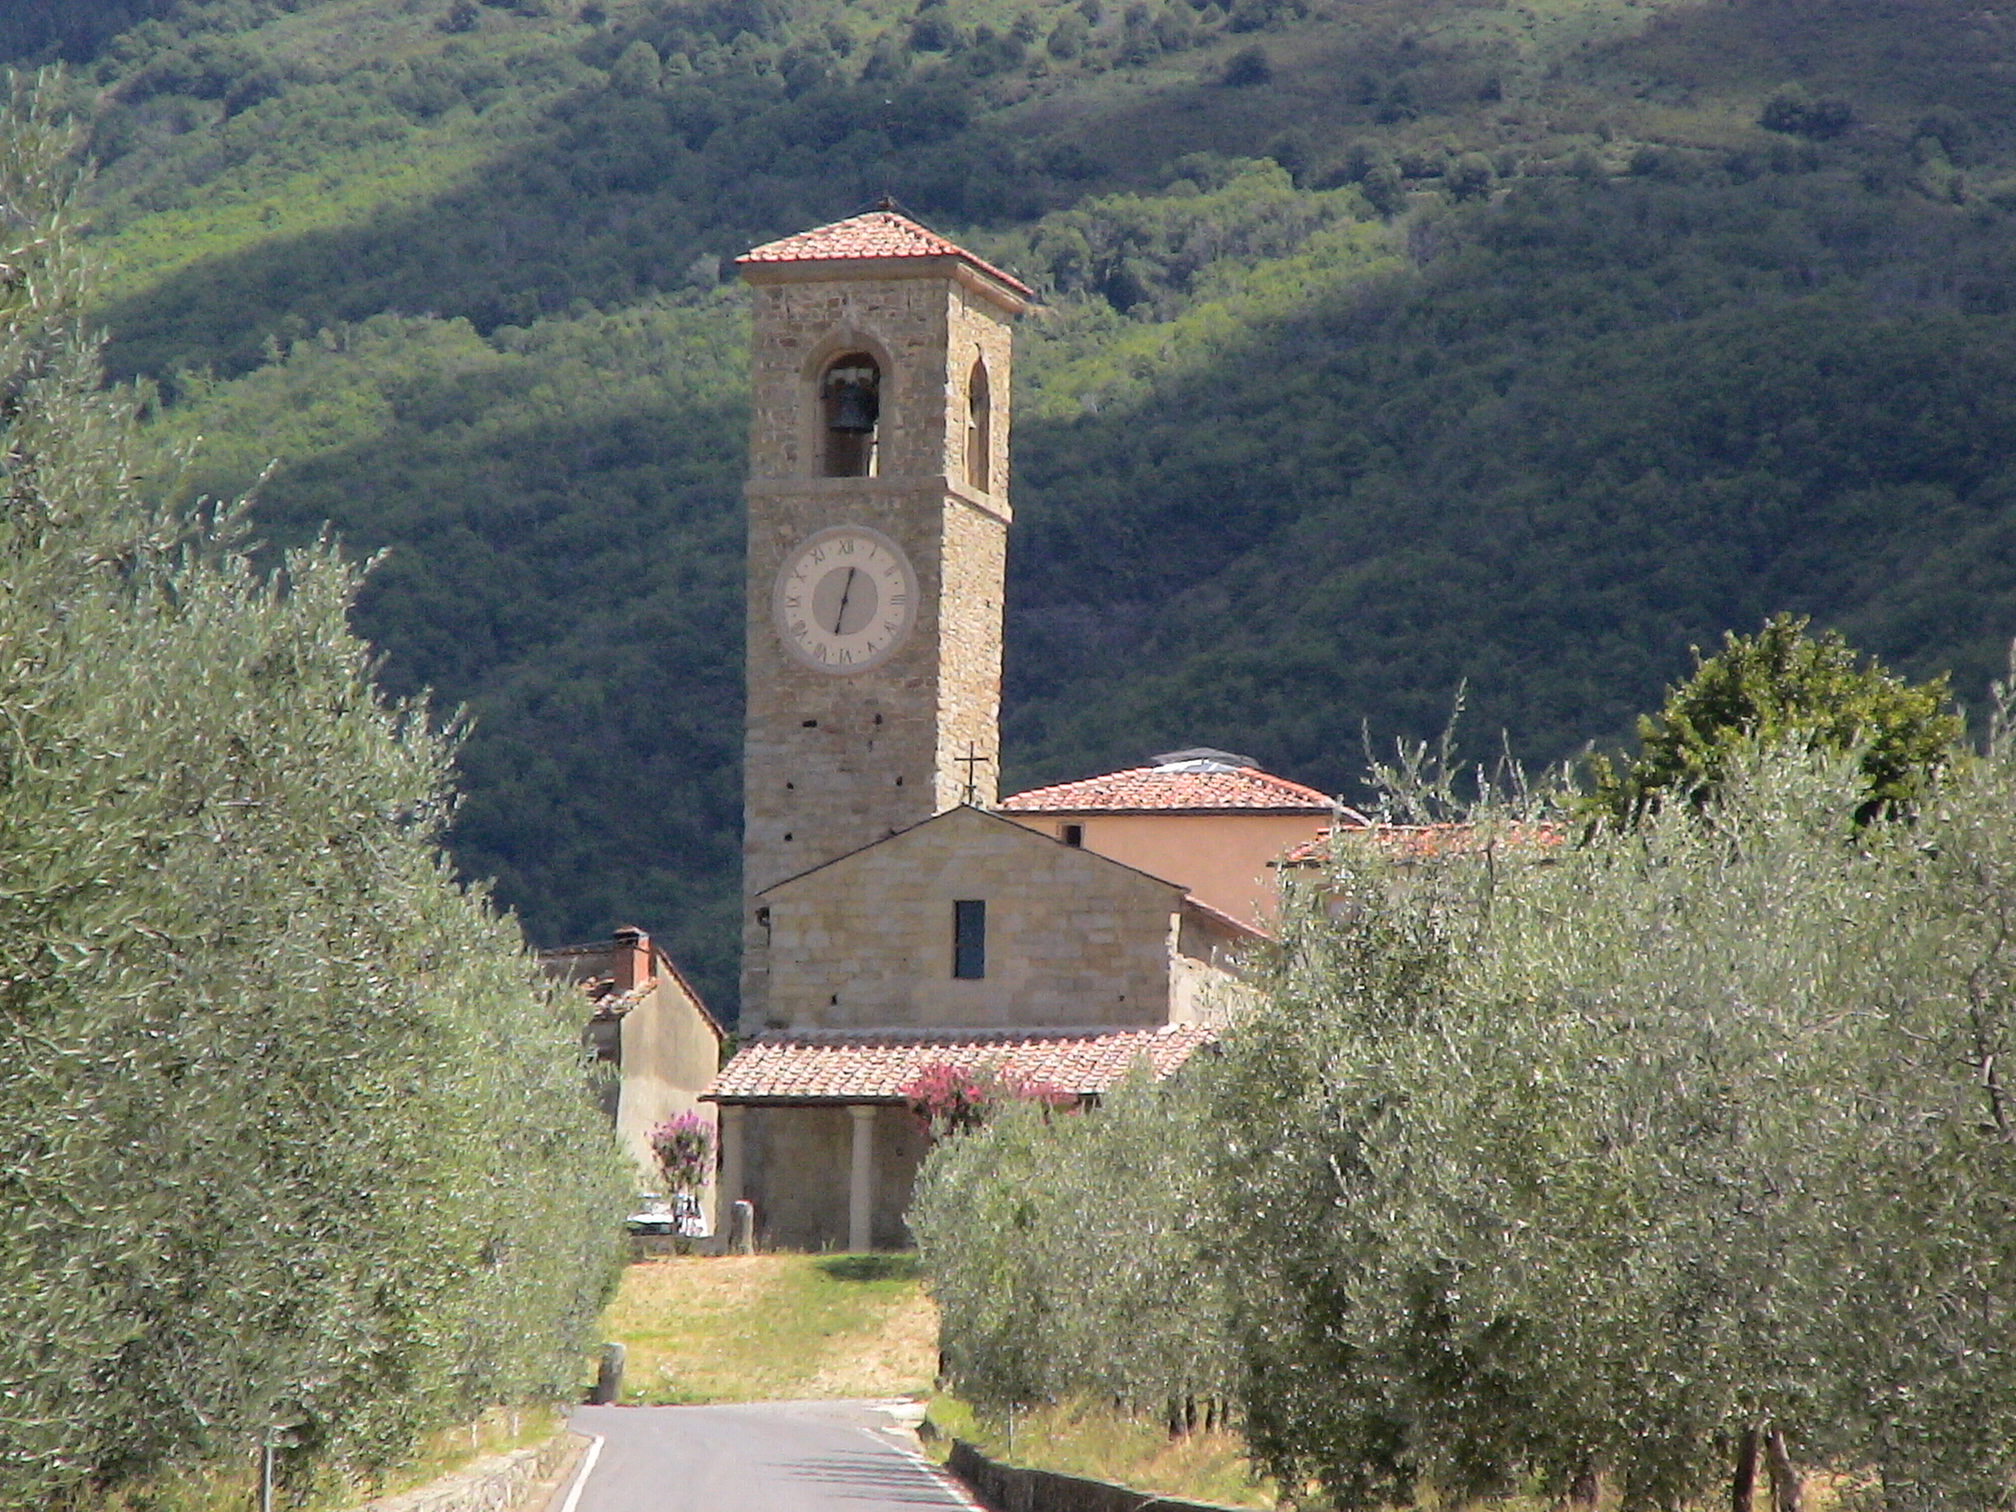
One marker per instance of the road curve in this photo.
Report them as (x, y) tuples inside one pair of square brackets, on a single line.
[(756, 1457)]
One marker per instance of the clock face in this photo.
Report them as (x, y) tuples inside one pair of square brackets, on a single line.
[(845, 599)]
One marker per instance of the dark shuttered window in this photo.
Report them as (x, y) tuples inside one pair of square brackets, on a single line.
[(969, 939)]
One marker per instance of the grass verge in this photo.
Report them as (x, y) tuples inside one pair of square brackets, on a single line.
[(1089, 1439), (236, 1487), (742, 1328)]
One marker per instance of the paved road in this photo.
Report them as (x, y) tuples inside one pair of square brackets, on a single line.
[(757, 1457)]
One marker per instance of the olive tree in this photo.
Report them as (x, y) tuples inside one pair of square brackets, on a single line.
[(290, 1131), (1645, 1157), (1074, 1253)]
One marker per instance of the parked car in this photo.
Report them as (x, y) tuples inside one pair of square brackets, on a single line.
[(680, 1214), (653, 1214)]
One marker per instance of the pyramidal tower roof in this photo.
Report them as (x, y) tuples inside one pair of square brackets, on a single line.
[(875, 236)]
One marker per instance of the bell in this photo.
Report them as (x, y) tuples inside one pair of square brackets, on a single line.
[(854, 407)]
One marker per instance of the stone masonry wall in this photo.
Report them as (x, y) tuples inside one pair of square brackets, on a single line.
[(1073, 940), (834, 762), (498, 1483), (1018, 1488), (798, 1166)]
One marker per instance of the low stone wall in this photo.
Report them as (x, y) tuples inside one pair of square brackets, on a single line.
[(1009, 1488), (498, 1483)]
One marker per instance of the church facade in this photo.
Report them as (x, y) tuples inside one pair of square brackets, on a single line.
[(895, 916)]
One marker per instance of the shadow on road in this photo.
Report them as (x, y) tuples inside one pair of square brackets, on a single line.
[(878, 1478)]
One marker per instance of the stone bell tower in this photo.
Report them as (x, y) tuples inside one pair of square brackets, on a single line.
[(878, 527)]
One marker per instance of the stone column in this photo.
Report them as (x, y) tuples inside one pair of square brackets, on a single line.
[(729, 1191), (861, 1186)]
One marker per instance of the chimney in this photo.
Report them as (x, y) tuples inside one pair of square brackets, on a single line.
[(632, 967)]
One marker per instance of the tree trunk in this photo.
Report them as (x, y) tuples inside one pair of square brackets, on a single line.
[(1743, 1484), (1584, 1490), (1786, 1487)]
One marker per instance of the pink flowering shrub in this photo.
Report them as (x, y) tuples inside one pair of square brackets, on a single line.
[(949, 1099), (684, 1147)]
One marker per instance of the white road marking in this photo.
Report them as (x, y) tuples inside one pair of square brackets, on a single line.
[(936, 1473), (581, 1475)]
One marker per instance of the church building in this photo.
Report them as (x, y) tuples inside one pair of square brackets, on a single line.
[(896, 915)]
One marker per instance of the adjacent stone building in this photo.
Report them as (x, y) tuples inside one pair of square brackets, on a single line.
[(965, 940), (1208, 819), (650, 1037), (893, 919)]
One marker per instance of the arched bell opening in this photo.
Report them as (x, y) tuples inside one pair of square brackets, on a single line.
[(850, 400), (979, 429)]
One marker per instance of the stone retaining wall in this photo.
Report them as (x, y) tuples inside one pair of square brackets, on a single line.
[(497, 1483), (1010, 1488)]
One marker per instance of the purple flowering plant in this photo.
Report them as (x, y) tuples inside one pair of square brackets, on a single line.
[(684, 1147)]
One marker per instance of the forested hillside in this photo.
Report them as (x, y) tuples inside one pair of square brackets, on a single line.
[(1390, 344)]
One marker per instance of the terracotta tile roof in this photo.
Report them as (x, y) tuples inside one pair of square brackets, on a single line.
[(1182, 786), (590, 968), (1229, 922), (1416, 842), (609, 1002), (833, 1066), (878, 234)]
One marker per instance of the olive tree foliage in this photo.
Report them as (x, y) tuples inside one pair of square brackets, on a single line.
[(1074, 1253), (289, 1130), (1549, 1161)]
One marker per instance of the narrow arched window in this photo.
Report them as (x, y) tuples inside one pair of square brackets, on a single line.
[(979, 430), (850, 408)]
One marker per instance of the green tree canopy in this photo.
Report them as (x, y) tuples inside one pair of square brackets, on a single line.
[(1781, 687), (291, 1131), (1651, 1167), (1072, 1253), (1635, 1156)]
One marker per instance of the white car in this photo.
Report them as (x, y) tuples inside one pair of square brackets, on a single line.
[(679, 1214), (653, 1214)]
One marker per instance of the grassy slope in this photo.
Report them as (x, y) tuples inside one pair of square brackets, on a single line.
[(774, 1328), (1322, 480)]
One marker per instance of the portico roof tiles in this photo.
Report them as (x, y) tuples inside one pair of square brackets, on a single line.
[(875, 235), (835, 1066), (1173, 788)]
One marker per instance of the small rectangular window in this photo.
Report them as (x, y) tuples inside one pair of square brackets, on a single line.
[(969, 939), (1073, 834)]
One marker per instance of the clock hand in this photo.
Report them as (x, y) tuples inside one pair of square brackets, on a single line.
[(846, 588)]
